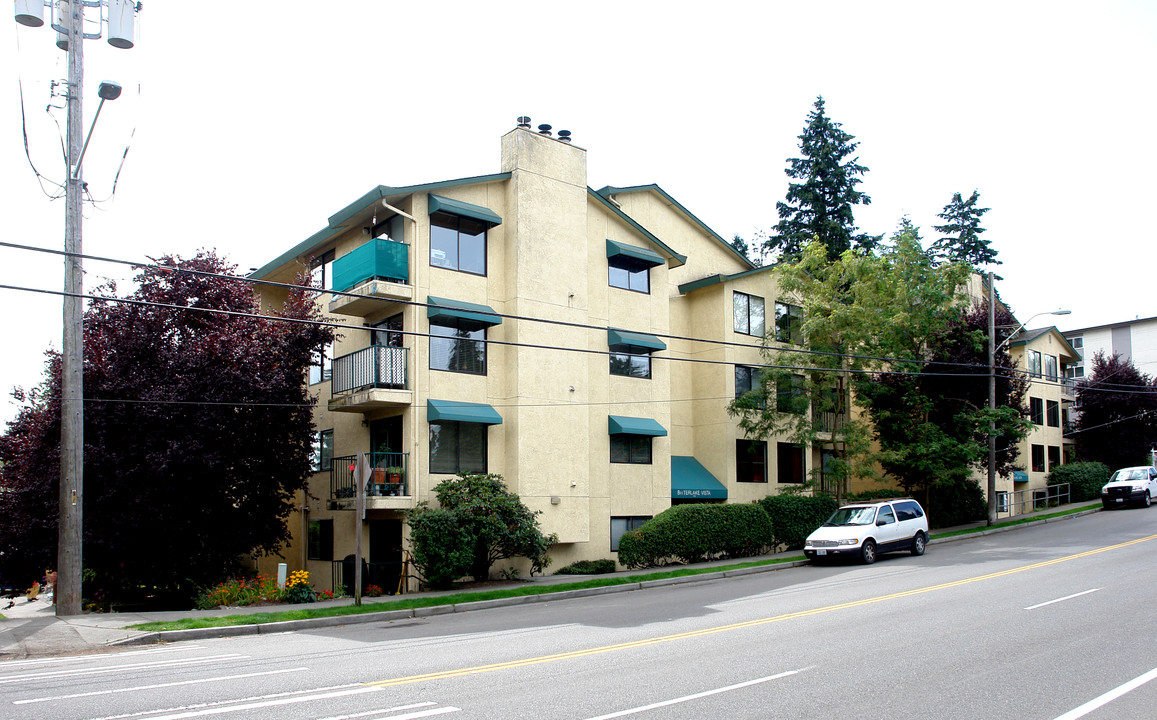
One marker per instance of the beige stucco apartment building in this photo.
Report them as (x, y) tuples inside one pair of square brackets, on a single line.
[(524, 324)]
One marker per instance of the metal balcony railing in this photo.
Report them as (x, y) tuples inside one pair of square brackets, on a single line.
[(388, 476), (378, 366)]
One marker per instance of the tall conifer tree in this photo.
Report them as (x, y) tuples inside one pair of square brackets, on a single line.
[(820, 206), (962, 230)]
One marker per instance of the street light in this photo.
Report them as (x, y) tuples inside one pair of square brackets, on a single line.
[(68, 20), (992, 348)]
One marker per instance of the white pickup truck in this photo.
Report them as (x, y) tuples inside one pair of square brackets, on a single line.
[(1128, 486)]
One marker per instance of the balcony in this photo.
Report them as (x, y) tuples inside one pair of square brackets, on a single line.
[(376, 273), (370, 378), (387, 489)]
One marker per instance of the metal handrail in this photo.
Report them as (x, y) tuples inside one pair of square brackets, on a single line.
[(377, 366)]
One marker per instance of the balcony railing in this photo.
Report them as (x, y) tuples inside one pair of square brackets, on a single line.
[(383, 259), (378, 366), (828, 421), (388, 476), (386, 575)]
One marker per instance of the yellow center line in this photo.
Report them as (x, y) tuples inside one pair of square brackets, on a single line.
[(446, 674)]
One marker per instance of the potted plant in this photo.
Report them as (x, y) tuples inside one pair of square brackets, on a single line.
[(394, 478)]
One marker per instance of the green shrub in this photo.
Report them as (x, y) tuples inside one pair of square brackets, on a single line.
[(300, 593), (1084, 478), (955, 502), (587, 567), (443, 548), (696, 533), (794, 517)]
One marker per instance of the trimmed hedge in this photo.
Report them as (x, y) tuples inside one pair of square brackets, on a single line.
[(955, 502), (587, 567), (794, 517), (697, 533), (1084, 478)]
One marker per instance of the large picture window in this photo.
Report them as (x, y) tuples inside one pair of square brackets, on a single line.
[(457, 447), (1051, 367), (628, 275), (790, 465), (457, 346), (633, 449), (1036, 411), (628, 365), (1054, 456), (458, 243), (1053, 414), (1038, 458), (749, 314), (746, 379), (750, 461), (625, 524), (1033, 358), (788, 322)]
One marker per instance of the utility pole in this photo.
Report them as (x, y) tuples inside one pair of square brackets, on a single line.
[(991, 399), (70, 523)]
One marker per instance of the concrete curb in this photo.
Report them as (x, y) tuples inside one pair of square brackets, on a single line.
[(165, 636)]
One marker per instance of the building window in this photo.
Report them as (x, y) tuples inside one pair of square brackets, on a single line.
[(746, 379), (633, 449), (1036, 411), (1038, 458), (790, 465), (625, 524), (458, 243), (1051, 367), (1054, 456), (320, 545), (457, 447), (628, 365), (321, 369), (628, 275), (1053, 413), (788, 322), (1002, 501), (790, 396), (1074, 371), (457, 346), (321, 270), (321, 454), (1077, 342), (1034, 363), (749, 314), (750, 461)]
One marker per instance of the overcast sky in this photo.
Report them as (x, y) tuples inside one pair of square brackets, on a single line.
[(250, 123)]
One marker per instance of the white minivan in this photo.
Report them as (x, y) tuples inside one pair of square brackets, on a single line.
[(864, 530)]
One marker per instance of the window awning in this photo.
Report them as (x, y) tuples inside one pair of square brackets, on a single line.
[(465, 209), (621, 425), (1019, 476), (637, 256), (633, 342), (480, 315), (691, 481), (438, 410)]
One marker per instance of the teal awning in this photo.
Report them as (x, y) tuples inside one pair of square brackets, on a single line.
[(1019, 476), (437, 410), (691, 481), (633, 342), (638, 256), (620, 425), (465, 209), (481, 315)]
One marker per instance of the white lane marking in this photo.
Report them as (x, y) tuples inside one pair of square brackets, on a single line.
[(56, 661), (159, 685), (398, 708), (270, 703), (1108, 697), (226, 702), (696, 696), (1066, 597), (119, 668), (424, 713)]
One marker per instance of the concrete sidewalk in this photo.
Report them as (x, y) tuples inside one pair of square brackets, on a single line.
[(31, 628)]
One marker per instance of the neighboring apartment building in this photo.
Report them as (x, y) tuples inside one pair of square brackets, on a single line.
[(1044, 355), (1133, 340), (524, 324)]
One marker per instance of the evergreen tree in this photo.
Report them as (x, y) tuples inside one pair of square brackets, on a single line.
[(739, 245), (962, 241), (820, 207)]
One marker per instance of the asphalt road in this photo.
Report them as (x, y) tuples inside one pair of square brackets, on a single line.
[(1046, 622)]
